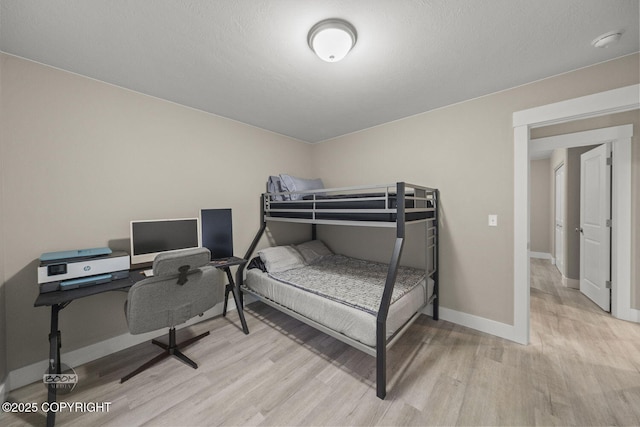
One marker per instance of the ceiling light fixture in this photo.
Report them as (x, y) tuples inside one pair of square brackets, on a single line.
[(332, 39), (607, 39)]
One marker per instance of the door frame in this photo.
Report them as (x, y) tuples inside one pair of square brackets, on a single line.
[(613, 101), (555, 216)]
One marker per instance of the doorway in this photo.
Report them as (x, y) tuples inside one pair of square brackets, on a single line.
[(612, 101), (581, 163), (576, 183)]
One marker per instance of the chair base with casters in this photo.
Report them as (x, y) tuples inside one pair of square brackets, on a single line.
[(183, 286), (172, 349)]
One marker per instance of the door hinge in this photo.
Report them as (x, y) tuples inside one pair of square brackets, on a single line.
[(609, 223), (607, 284), (609, 161)]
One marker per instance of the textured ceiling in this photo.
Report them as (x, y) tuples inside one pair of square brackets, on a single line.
[(249, 60)]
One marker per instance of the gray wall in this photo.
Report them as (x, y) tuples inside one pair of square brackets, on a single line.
[(82, 158), (541, 185), (466, 150)]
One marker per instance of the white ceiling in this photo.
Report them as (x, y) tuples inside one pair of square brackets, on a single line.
[(249, 60)]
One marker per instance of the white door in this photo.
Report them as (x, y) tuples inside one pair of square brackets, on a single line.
[(595, 235), (559, 219)]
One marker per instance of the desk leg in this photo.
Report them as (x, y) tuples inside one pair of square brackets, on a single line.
[(54, 361), (231, 287), (227, 289)]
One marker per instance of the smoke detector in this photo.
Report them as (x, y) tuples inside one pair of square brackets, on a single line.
[(607, 39)]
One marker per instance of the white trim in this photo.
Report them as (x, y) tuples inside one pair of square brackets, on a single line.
[(613, 101), (570, 283), (478, 323), (621, 232), (521, 230), (598, 104), (540, 255), (580, 139), (3, 390), (559, 206), (32, 373), (558, 166)]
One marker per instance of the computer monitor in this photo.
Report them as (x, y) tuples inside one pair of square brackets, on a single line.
[(217, 232), (152, 237)]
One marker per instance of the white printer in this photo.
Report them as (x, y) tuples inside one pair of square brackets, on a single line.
[(82, 267)]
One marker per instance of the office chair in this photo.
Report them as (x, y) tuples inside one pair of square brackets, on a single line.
[(182, 287)]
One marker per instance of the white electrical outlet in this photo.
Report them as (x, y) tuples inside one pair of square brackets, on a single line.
[(493, 220)]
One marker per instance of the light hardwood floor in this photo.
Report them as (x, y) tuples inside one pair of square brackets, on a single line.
[(581, 368)]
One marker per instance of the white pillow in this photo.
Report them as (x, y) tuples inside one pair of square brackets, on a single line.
[(291, 183), (313, 251), (281, 258)]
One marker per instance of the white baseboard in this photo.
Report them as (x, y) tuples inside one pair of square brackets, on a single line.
[(570, 283), (32, 373), (3, 390), (478, 323), (541, 255)]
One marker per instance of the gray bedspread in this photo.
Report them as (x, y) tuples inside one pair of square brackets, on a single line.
[(353, 282)]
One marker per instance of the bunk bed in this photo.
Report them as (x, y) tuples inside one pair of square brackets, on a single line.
[(378, 327)]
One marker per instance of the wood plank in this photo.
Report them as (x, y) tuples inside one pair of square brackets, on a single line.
[(581, 368)]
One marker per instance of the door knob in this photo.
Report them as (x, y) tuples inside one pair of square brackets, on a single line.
[(580, 230)]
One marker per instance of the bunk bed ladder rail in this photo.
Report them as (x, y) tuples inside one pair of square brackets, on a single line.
[(383, 311), (436, 255), (432, 245), (252, 248)]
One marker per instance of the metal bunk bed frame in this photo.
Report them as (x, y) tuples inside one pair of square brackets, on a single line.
[(421, 196)]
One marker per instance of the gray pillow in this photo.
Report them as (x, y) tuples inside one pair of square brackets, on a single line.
[(281, 258), (274, 186), (291, 183), (313, 251)]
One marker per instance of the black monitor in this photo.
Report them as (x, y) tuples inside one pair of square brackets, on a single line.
[(217, 232)]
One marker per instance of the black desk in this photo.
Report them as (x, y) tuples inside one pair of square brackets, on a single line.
[(231, 287), (60, 299)]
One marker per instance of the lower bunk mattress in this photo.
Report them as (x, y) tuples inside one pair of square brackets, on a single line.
[(353, 320)]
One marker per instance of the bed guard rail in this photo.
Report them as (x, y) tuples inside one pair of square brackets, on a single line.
[(366, 205)]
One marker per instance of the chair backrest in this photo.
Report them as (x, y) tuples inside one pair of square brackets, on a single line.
[(183, 286)]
